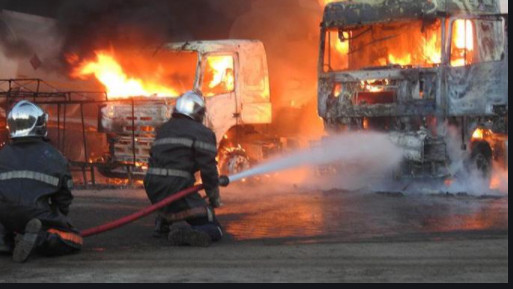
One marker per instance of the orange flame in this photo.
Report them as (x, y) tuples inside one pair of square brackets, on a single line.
[(221, 76), (463, 43), (481, 133), (337, 90), (115, 80), (401, 60), (425, 50), (223, 71), (342, 49), (432, 53)]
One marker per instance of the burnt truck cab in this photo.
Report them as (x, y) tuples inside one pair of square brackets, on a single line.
[(233, 77), (414, 69)]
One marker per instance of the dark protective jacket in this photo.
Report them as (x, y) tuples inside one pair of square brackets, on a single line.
[(35, 182), (182, 147)]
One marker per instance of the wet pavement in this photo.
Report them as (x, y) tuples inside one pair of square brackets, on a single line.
[(294, 215), (287, 233), (341, 216)]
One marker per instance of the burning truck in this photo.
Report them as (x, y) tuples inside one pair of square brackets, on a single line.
[(417, 69), (233, 77)]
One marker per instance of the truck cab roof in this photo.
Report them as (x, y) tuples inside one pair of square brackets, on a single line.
[(360, 12), (206, 46)]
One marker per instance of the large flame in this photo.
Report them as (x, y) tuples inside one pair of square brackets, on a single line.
[(409, 45), (432, 53), (116, 81)]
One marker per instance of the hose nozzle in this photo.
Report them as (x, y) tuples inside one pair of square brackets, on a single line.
[(224, 181)]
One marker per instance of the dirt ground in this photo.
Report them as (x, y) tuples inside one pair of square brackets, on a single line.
[(292, 235)]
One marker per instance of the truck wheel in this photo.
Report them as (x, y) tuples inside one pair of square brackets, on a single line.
[(115, 171), (107, 169), (234, 162), (481, 160)]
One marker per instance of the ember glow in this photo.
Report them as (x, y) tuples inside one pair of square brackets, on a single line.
[(117, 83)]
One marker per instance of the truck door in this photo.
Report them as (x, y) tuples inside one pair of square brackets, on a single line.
[(218, 85), (477, 66)]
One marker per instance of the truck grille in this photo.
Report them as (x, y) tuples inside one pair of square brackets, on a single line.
[(141, 125)]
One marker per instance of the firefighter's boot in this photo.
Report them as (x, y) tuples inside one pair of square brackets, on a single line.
[(161, 227), (5, 246), (181, 234), (26, 243)]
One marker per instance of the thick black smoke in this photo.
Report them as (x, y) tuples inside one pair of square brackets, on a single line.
[(88, 25), (96, 24)]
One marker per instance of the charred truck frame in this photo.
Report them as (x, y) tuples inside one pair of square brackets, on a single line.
[(417, 69)]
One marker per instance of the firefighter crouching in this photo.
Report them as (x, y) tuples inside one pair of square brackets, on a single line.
[(183, 146), (35, 184)]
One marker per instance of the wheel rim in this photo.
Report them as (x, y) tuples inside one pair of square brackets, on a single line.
[(237, 163)]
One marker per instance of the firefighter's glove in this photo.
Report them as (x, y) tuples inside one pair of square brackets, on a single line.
[(224, 181), (214, 198)]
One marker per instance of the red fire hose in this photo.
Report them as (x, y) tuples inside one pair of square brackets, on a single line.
[(142, 213)]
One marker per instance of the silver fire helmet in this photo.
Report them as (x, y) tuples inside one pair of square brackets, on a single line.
[(192, 105), (27, 120)]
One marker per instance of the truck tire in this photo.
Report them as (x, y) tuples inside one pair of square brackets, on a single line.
[(234, 162), (481, 160), (115, 171)]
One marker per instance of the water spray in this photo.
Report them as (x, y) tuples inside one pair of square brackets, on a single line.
[(369, 149)]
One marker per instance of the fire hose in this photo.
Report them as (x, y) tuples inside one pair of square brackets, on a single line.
[(223, 181)]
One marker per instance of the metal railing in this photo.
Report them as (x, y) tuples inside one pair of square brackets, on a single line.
[(43, 93)]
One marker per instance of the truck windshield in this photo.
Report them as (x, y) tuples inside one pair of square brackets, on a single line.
[(407, 43)]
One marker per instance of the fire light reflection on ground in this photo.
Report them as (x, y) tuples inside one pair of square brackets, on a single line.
[(283, 213)]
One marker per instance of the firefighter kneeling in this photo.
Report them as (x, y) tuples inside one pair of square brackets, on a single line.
[(35, 184), (183, 146)]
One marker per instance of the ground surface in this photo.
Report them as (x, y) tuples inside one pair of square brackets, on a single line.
[(292, 235)]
